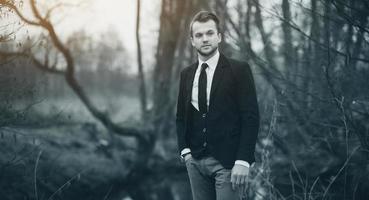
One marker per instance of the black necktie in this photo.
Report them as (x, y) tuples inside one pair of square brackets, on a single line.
[(202, 89)]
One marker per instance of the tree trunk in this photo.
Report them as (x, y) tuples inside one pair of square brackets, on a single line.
[(141, 75), (288, 52), (172, 22)]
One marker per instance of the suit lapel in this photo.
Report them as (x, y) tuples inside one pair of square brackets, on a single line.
[(189, 80), (218, 75), (217, 79)]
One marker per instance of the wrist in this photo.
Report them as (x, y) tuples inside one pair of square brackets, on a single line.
[(243, 163), (185, 151), (184, 156)]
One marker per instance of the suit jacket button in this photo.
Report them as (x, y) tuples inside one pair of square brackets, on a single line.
[(204, 130), (203, 115), (205, 144)]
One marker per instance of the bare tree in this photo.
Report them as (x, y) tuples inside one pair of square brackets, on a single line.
[(172, 19), (316, 85)]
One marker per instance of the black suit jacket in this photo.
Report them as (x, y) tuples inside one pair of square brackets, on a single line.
[(233, 115)]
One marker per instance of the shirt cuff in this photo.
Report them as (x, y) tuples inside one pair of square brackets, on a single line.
[(185, 150), (242, 162)]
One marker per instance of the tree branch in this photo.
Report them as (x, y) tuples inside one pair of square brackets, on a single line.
[(295, 27), (35, 11), (11, 6), (69, 73), (37, 62)]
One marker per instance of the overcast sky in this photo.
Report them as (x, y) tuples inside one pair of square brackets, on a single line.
[(99, 16), (96, 17)]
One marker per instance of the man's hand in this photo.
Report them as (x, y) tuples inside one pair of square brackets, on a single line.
[(239, 175), (188, 156)]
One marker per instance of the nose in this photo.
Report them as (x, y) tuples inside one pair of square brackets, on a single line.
[(205, 39)]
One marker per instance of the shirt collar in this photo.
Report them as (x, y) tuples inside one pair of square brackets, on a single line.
[(212, 62)]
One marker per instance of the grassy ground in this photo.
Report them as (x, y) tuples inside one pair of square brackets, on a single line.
[(68, 162)]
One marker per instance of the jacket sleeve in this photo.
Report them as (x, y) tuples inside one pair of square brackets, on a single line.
[(249, 113), (180, 115)]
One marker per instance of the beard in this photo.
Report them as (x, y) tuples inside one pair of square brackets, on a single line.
[(206, 54)]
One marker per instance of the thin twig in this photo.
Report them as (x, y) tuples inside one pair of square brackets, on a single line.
[(35, 173), (67, 183), (108, 193), (339, 172)]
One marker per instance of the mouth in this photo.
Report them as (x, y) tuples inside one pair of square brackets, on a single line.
[(204, 46)]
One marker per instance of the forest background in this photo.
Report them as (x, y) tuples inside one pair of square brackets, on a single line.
[(85, 114)]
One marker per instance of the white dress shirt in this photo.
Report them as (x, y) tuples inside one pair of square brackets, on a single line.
[(212, 63)]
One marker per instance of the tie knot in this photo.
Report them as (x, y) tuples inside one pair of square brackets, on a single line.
[(204, 66)]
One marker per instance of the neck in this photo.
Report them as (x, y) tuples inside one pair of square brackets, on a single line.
[(204, 58)]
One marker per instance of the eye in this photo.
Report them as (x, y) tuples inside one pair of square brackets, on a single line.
[(198, 35), (210, 33)]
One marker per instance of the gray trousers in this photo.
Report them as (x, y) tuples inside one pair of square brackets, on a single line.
[(210, 180)]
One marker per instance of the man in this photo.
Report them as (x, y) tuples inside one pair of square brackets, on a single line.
[(217, 116)]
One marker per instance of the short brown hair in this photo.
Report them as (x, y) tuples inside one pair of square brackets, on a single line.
[(204, 16)]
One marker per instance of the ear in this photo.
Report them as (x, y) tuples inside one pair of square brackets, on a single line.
[(192, 42), (219, 37)]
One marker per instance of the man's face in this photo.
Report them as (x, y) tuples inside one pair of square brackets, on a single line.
[(205, 37)]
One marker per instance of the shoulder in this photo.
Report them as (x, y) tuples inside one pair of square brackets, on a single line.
[(238, 65), (233, 62), (186, 70)]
